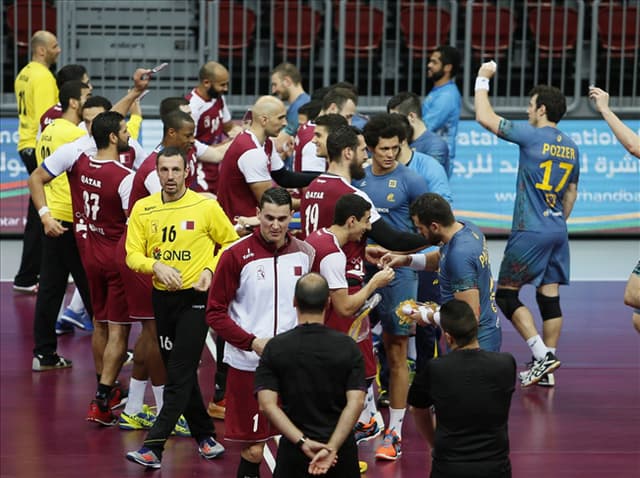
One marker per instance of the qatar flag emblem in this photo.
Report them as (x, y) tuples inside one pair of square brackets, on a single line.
[(188, 225), (297, 271)]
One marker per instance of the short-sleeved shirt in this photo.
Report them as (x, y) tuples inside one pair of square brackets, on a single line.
[(311, 367), (441, 114), (304, 151), (464, 265), (210, 117), (471, 391), (393, 193), (36, 91), (292, 113), (549, 161), (433, 145), (433, 174), (317, 207), (57, 192), (245, 162)]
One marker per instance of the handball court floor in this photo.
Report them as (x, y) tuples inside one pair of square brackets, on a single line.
[(587, 426)]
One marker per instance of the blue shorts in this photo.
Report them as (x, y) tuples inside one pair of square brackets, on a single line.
[(490, 337), (535, 258), (404, 286)]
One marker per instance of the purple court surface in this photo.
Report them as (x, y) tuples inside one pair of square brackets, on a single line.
[(587, 426)]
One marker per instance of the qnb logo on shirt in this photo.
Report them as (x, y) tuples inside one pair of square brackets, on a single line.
[(183, 255)]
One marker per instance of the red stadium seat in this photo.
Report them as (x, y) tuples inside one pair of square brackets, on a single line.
[(236, 25), (25, 17), (619, 29), (555, 29), (364, 26), (424, 28), (296, 27), (491, 30)]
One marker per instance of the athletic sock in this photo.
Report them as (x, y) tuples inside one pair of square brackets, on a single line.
[(136, 396), (396, 417), (537, 346), (369, 409), (552, 350), (158, 390), (412, 353), (246, 469)]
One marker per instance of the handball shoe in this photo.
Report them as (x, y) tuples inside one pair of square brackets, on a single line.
[(78, 319), (118, 397), (182, 428), (539, 369), (209, 448), (63, 327), (217, 409), (143, 420), (101, 414), (145, 457), (368, 431), (391, 448), (42, 363)]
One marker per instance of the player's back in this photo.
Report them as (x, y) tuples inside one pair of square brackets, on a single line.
[(97, 190), (319, 200)]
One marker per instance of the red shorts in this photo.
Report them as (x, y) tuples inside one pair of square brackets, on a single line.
[(138, 286), (105, 285), (242, 420)]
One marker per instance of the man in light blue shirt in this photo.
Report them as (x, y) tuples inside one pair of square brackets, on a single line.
[(441, 107)]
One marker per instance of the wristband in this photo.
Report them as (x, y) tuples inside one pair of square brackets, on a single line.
[(302, 441), (43, 210), (418, 262), (482, 84)]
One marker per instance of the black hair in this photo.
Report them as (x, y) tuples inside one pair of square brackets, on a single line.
[(431, 207), (350, 205), (339, 139), (278, 196), (311, 109), (404, 103), (553, 99), (71, 90), (385, 126), (103, 125), (70, 73), (172, 151), (458, 320), (449, 56), (175, 120), (98, 102), (171, 104)]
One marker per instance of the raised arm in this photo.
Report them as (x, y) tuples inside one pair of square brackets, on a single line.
[(484, 111), (626, 136)]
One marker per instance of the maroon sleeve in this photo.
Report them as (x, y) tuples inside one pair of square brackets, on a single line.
[(221, 293)]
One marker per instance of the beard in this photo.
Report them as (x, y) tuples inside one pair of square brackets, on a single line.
[(436, 75), (357, 171), (123, 146), (212, 93)]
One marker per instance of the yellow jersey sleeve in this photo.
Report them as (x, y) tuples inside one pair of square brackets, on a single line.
[(58, 192), (133, 125), (36, 92), (136, 245)]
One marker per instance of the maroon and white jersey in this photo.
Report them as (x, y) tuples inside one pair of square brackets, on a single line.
[(100, 193), (330, 261), (210, 117), (245, 162), (134, 156), (146, 181), (51, 114), (317, 207), (304, 151), (252, 293)]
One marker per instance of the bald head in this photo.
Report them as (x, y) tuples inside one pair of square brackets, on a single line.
[(214, 80), (311, 294), (44, 47), (212, 70), (267, 106)]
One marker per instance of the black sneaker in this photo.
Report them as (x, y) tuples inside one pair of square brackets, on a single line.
[(547, 381), (540, 368), (42, 363), (383, 399)]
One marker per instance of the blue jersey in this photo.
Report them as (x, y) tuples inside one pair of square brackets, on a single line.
[(441, 113), (433, 174), (433, 145), (464, 264), (549, 162), (393, 193), (292, 114)]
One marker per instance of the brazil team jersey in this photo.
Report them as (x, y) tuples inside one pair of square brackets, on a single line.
[(464, 265), (549, 162)]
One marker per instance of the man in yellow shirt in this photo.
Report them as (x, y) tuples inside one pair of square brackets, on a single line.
[(172, 234), (59, 250), (36, 91)]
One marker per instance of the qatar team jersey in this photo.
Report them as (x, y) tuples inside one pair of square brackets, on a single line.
[(304, 151), (464, 264), (245, 162), (180, 233), (57, 192), (210, 117), (393, 193), (549, 161)]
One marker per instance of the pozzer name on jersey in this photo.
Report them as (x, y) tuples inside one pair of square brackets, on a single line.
[(564, 152)]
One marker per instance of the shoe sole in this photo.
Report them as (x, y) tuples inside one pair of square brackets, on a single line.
[(535, 380), (134, 459), (106, 424), (132, 427), (120, 404), (369, 438), (25, 290), (75, 323), (211, 456), (381, 456), (46, 368)]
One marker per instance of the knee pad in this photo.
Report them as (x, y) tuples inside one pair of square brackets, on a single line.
[(508, 301), (549, 306)]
